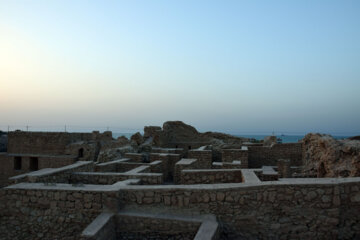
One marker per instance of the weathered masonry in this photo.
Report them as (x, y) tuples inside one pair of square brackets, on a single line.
[(170, 193)]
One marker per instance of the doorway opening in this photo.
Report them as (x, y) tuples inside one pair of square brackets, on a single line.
[(34, 164), (17, 163), (81, 153)]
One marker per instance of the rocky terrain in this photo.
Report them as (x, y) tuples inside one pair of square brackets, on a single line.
[(170, 133), (325, 156), (177, 131)]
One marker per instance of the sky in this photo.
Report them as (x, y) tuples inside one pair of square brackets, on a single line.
[(233, 66)]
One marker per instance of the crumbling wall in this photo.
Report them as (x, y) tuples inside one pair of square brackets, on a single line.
[(8, 170), (111, 178), (168, 162), (230, 155), (57, 175), (204, 157), (317, 210), (311, 209), (49, 142), (50, 213), (154, 228), (267, 156), (210, 176)]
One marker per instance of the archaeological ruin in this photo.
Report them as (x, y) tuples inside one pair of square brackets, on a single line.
[(173, 182)]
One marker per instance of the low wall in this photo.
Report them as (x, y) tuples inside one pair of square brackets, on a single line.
[(156, 166), (206, 176), (204, 157), (52, 143), (135, 157), (268, 156), (267, 173), (230, 155), (111, 166), (154, 227), (36, 211), (167, 150), (102, 228), (288, 208), (111, 178), (168, 161), (123, 165), (184, 163), (297, 209), (7, 169), (146, 225), (54, 175), (226, 165)]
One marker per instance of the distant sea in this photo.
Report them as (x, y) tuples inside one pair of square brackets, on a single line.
[(284, 138)]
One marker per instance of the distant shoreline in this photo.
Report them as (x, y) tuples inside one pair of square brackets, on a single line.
[(285, 138)]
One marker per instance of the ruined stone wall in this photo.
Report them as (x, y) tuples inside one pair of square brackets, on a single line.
[(265, 211), (306, 209), (64, 176), (44, 142), (204, 158), (226, 165), (50, 213), (52, 143), (58, 175), (127, 166), (230, 155), (168, 162), (7, 169), (186, 146), (167, 150), (135, 157), (209, 176), (186, 163), (267, 156), (154, 228), (111, 178), (156, 166)]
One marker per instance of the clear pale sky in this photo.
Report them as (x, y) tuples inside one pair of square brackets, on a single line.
[(233, 66)]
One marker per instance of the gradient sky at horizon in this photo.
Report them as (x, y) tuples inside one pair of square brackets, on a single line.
[(232, 66)]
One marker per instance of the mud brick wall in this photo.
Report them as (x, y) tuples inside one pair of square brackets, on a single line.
[(202, 176), (267, 156), (323, 210), (204, 158), (229, 155)]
